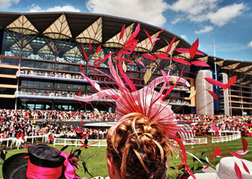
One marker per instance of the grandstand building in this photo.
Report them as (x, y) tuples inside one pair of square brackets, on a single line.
[(41, 55)]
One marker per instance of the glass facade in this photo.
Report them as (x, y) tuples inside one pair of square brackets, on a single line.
[(50, 63)]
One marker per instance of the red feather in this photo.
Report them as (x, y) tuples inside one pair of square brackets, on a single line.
[(81, 68), (97, 60), (233, 154), (123, 52), (185, 50), (244, 144), (193, 49), (126, 78), (170, 45), (98, 49), (245, 167), (149, 56), (181, 61), (238, 171), (130, 42), (134, 34), (200, 63), (216, 130), (103, 59), (90, 47), (81, 123), (162, 55), (217, 151), (148, 37), (85, 55), (213, 94), (130, 47), (162, 30), (122, 32), (127, 60), (214, 82), (206, 167), (231, 82)]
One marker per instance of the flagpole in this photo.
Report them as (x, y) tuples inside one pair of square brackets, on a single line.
[(215, 69)]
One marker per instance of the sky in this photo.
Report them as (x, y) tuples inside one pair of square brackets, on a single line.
[(226, 22)]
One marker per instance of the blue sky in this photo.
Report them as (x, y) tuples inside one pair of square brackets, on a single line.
[(228, 22)]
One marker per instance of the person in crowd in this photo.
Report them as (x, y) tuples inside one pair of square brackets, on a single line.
[(3, 155)]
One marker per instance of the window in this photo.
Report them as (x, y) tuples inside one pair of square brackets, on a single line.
[(8, 71), (7, 90), (8, 81)]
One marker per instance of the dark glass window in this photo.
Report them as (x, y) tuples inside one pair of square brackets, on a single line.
[(42, 84), (8, 71), (59, 85), (49, 84), (9, 61), (30, 83), (24, 83), (64, 86), (36, 83), (7, 90), (8, 81)]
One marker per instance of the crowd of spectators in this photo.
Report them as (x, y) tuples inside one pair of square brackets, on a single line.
[(42, 122), (202, 124), (57, 115)]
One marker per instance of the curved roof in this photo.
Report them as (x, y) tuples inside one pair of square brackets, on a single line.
[(82, 25), (102, 29)]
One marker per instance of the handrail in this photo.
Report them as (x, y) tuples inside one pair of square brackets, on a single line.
[(227, 138), (79, 142)]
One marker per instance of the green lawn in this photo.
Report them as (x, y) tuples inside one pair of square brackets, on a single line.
[(97, 162)]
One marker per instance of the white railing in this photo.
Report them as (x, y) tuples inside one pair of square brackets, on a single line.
[(50, 75), (224, 133), (79, 142), (44, 138), (52, 95), (227, 138), (194, 141)]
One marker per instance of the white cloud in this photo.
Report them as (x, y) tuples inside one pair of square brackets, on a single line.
[(53, 9), (207, 10), (250, 44), (7, 3), (225, 14), (193, 6), (184, 37), (148, 11), (204, 30)]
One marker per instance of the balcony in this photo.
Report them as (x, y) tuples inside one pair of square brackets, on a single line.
[(77, 78), (51, 76), (51, 96)]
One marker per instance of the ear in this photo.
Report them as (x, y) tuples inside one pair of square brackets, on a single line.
[(111, 168)]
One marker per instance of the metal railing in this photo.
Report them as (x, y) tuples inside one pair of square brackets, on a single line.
[(227, 138), (44, 138), (80, 142), (194, 141)]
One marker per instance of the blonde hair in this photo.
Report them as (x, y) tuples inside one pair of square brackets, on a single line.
[(139, 148)]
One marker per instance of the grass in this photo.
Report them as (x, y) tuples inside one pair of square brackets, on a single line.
[(97, 163)]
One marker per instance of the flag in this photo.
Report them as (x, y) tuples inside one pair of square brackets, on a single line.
[(213, 44)]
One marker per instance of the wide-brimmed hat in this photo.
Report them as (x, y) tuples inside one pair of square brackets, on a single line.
[(41, 162), (228, 169)]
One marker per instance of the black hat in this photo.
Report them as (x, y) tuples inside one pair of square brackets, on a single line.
[(42, 161)]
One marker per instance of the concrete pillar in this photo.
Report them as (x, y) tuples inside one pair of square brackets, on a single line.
[(204, 101), (225, 94)]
